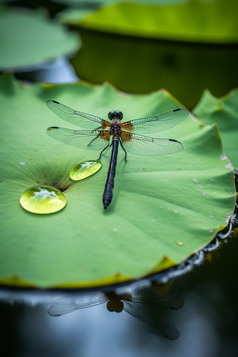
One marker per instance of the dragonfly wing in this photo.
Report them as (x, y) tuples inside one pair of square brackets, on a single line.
[(145, 145), (152, 298), (153, 124), (153, 321), (72, 116), (65, 305), (84, 139)]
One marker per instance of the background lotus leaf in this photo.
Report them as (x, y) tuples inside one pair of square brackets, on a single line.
[(222, 111), (28, 38), (77, 3), (163, 210), (192, 21)]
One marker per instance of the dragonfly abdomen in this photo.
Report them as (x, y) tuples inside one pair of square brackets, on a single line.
[(108, 191)]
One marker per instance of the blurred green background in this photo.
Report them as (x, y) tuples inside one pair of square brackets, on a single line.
[(138, 65), (142, 46)]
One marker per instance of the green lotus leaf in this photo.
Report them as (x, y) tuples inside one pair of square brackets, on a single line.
[(222, 111), (164, 208), (28, 38), (193, 21)]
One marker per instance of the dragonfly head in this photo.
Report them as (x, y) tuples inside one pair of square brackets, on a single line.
[(115, 306), (115, 114)]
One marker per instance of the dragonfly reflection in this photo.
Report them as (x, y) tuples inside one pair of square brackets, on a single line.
[(104, 134), (146, 308)]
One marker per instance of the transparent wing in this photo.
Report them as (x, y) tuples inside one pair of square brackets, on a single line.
[(84, 139), (145, 145), (65, 305), (153, 124), (152, 320), (151, 297), (72, 116)]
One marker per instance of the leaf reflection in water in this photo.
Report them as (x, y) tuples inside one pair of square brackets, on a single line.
[(145, 305)]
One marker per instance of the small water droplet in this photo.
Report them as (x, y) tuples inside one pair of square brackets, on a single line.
[(42, 199), (22, 163), (84, 170)]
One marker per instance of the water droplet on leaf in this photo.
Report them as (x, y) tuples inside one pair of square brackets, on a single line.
[(84, 169), (42, 199)]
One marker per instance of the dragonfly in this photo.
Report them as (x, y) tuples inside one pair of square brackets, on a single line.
[(148, 308), (102, 134)]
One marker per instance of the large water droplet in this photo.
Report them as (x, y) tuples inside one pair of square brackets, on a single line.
[(42, 199), (84, 169)]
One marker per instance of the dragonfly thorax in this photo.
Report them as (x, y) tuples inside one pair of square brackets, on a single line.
[(115, 114), (115, 128)]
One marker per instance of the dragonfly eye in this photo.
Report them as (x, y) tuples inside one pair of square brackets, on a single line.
[(115, 114), (111, 114), (119, 114)]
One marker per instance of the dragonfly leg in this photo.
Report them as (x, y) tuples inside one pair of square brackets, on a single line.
[(93, 140), (124, 151), (102, 151)]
